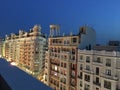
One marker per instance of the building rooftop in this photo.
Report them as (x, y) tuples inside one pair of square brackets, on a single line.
[(18, 79), (107, 48)]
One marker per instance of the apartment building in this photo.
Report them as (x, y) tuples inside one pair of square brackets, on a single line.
[(1, 46), (61, 57), (99, 69), (27, 50)]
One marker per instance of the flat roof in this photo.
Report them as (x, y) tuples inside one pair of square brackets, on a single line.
[(107, 48), (18, 79)]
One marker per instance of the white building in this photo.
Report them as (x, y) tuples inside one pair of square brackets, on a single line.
[(98, 70), (27, 49)]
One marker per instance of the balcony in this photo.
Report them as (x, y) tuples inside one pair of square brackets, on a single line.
[(87, 61), (86, 79), (96, 83), (79, 76), (81, 68), (73, 60), (72, 84), (97, 62), (72, 76), (55, 70), (73, 68), (88, 71), (55, 63), (55, 77), (107, 87), (117, 89), (97, 73), (63, 81), (86, 89), (109, 77), (108, 64)]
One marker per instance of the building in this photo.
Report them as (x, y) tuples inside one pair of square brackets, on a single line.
[(114, 43), (61, 57), (27, 50), (1, 46), (98, 69)]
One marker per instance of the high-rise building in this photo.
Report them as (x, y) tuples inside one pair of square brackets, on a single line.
[(99, 69), (62, 55), (1, 46), (27, 50)]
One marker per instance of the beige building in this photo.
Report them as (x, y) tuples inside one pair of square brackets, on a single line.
[(1, 46), (61, 57), (27, 50), (99, 69)]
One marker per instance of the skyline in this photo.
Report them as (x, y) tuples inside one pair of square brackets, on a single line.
[(102, 15)]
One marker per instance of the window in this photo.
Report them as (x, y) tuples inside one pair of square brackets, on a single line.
[(108, 62), (108, 72), (65, 42), (107, 84), (81, 66), (73, 74), (80, 76), (97, 79), (87, 78), (74, 40), (87, 67), (64, 65), (88, 59), (81, 83), (81, 57), (97, 88), (87, 87), (97, 71), (73, 51), (73, 66), (98, 59), (61, 64)]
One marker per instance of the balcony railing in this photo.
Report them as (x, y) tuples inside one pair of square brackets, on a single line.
[(72, 76), (96, 83), (107, 87), (97, 73), (55, 70), (81, 68), (72, 84), (88, 61), (88, 71), (96, 62), (80, 77), (108, 64), (86, 89), (88, 80), (63, 81), (109, 76), (55, 63), (73, 68)]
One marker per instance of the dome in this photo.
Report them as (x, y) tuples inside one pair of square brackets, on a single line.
[(37, 28)]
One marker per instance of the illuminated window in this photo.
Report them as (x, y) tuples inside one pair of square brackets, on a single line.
[(55, 68)]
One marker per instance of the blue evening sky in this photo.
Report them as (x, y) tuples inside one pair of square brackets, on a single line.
[(102, 15)]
